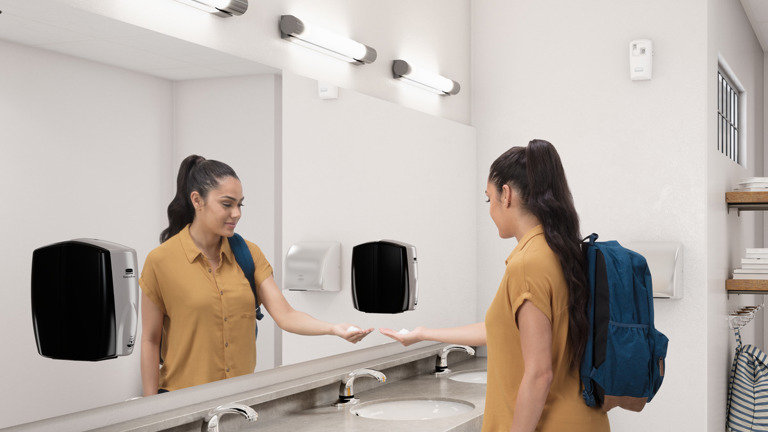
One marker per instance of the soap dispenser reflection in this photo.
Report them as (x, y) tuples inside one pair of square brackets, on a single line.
[(384, 277)]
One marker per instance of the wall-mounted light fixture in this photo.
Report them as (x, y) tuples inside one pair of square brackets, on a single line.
[(222, 8), (295, 30), (424, 79)]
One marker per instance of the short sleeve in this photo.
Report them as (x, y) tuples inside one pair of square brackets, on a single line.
[(263, 268), (531, 281), (149, 285)]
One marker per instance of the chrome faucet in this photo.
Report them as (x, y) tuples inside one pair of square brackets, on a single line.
[(441, 362), (347, 394), (211, 423)]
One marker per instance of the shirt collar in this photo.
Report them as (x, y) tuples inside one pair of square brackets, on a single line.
[(533, 232), (191, 250)]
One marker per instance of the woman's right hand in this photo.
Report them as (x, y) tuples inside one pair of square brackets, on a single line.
[(410, 338)]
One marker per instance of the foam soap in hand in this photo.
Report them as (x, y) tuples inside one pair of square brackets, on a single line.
[(403, 331), (352, 328)]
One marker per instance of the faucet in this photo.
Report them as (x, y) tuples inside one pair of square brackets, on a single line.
[(346, 394), (441, 362), (212, 419)]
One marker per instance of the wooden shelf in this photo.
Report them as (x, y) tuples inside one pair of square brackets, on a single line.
[(747, 201), (746, 286)]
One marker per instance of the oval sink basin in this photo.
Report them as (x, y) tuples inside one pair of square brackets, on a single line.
[(411, 409), (475, 377)]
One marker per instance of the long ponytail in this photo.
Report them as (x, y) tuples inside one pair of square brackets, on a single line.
[(537, 173), (196, 173)]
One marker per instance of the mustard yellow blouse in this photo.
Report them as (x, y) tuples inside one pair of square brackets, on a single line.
[(210, 319), (533, 273)]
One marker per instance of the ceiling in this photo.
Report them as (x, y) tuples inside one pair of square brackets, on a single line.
[(63, 29), (54, 27), (757, 12)]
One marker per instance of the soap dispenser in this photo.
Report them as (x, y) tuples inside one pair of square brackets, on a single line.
[(85, 299), (384, 277)]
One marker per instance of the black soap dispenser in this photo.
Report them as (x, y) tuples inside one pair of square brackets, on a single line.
[(84, 300), (384, 277)]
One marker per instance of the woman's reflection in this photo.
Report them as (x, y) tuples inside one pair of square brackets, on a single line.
[(198, 309)]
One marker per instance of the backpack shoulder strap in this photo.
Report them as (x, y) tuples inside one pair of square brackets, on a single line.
[(245, 261)]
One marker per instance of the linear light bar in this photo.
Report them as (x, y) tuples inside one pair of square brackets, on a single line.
[(295, 30), (425, 79), (222, 8)]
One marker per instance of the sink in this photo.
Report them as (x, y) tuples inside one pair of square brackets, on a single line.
[(474, 376), (412, 409)]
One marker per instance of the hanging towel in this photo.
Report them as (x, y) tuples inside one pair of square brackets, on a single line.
[(747, 408)]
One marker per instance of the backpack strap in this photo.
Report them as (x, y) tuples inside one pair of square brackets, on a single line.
[(245, 261), (588, 392)]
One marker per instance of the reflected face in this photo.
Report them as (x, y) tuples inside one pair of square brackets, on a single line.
[(220, 211)]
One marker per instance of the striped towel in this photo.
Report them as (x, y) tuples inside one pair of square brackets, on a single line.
[(747, 408)]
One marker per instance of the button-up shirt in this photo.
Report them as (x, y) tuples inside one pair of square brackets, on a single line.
[(210, 316)]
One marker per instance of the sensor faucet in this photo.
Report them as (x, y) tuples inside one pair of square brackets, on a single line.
[(441, 362), (347, 394), (211, 423)]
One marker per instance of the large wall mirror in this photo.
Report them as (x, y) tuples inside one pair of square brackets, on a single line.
[(90, 150)]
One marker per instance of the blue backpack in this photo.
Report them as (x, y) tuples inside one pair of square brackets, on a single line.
[(623, 363), (245, 261)]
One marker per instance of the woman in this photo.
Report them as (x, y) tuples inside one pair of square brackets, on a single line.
[(536, 326), (198, 308)]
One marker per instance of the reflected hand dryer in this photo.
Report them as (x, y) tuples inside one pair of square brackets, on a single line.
[(84, 300), (384, 276)]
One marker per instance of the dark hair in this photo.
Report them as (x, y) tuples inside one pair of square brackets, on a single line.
[(537, 174), (196, 173)]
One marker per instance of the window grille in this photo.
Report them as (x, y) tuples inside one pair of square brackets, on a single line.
[(727, 118)]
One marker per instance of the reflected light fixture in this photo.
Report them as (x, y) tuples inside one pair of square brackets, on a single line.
[(222, 8), (327, 42), (425, 79)]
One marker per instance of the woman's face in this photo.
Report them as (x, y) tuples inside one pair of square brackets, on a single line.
[(220, 211)]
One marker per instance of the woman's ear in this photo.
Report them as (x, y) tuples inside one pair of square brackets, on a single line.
[(197, 200), (506, 196)]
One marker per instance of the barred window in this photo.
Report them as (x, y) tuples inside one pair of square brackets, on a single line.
[(728, 114)]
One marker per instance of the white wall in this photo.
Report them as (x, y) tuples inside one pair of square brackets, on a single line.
[(732, 39), (233, 120), (85, 151), (635, 152), (359, 169), (430, 33)]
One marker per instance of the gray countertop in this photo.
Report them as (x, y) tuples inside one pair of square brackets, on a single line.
[(329, 418)]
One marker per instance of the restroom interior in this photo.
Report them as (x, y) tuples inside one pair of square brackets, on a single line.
[(89, 149)]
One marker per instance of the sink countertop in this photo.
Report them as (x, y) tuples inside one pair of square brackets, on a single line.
[(332, 419)]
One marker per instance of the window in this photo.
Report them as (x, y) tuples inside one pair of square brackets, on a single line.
[(728, 114)]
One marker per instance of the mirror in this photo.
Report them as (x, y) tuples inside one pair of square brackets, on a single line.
[(90, 150)]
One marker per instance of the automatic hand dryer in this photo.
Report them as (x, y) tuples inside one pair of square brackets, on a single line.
[(384, 277), (84, 300)]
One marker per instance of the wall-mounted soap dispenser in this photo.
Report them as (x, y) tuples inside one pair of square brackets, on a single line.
[(384, 277), (85, 300), (313, 266), (665, 260)]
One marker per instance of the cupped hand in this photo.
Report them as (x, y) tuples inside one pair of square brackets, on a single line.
[(350, 332), (406, 339)]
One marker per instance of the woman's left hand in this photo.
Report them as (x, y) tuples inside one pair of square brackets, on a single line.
[(350, 332)]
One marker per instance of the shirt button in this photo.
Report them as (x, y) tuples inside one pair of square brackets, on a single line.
[(225, 319), (222, 292), (209, 270), (227, 369), (226, 344)]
